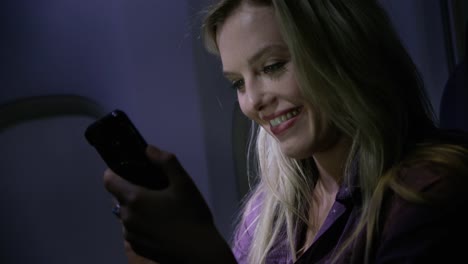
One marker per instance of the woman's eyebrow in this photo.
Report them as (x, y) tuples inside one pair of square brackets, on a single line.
[(266, 50), (229, 75), (262, 52)]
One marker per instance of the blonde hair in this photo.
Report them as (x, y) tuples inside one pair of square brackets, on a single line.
[(351, 65)]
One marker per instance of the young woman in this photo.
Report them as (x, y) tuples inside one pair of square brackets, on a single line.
[(351, 167)]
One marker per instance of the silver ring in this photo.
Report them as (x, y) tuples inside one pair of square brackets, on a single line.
[(116, 210)]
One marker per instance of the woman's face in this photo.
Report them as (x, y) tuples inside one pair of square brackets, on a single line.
[(257, 62)]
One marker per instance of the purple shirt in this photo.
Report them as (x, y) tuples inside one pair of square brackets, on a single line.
[(410, 233)]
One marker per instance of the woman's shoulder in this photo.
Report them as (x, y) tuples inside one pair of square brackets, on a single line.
[(435, 179), (430, 185), (441, 160), (426, 230)]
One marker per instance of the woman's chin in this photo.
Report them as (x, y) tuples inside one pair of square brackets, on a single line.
[(295, 152)]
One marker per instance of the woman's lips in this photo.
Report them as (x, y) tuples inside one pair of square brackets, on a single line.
[(279, 129)]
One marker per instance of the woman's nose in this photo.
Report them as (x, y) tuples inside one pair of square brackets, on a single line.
[(257, 95)]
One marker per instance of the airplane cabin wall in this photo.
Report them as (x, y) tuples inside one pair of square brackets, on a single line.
[(420, 26), (134, 55)]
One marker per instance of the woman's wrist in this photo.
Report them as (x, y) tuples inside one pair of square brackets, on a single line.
[(211, 248)]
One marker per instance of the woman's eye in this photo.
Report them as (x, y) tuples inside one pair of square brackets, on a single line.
[(272, 68), (237, 84)]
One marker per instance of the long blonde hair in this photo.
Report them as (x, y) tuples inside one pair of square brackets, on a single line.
[(350, 65)]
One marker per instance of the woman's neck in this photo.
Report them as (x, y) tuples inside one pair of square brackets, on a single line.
[(331, 164)]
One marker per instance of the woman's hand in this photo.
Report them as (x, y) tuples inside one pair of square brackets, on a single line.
[(172, 225)]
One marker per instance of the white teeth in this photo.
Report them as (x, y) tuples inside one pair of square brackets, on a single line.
[(283, 118)]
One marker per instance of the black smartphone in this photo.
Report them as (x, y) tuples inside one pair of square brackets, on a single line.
[(123, 149)]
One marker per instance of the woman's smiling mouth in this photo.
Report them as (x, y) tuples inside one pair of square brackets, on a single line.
[(283, 121), (285, 117)]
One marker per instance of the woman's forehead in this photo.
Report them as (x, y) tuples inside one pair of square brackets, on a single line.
[(247, 30)]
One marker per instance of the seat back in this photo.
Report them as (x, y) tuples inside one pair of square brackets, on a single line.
[(54, 206), (453, 112)]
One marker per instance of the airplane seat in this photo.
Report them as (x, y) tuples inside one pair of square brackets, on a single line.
[(54, 207), (453, 112), (240, 138), (243, 141)]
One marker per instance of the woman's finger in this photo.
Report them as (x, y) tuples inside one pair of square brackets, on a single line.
[(120, 188), (170, 165)]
